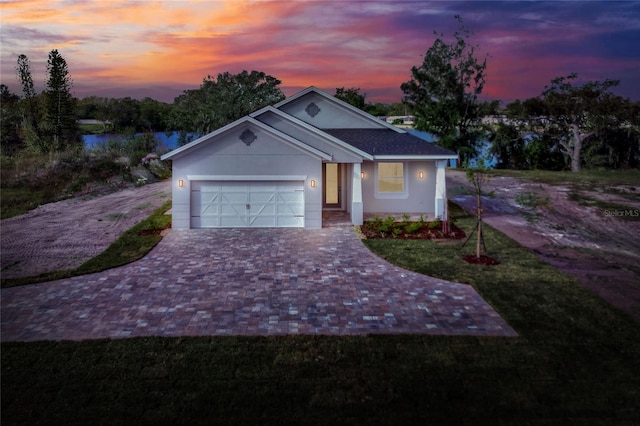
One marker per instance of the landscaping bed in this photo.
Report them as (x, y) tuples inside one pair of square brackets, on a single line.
[(411, 230)]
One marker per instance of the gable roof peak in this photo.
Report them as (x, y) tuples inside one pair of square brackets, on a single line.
[(339, 102)]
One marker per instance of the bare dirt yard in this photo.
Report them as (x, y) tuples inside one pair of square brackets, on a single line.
[(591, 242), (65, 234)]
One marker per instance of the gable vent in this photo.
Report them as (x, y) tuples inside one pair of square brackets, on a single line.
[(248, 137), (312, 109)]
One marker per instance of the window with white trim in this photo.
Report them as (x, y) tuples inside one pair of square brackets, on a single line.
[(391, 178)]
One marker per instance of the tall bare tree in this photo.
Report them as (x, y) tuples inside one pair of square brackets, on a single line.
[(572, 113)]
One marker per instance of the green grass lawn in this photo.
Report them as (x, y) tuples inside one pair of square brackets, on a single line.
[(576, 362)]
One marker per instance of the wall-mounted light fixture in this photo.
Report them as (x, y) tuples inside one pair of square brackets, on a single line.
[(421, 174), (312, 183), (362, 175), (181, 183)]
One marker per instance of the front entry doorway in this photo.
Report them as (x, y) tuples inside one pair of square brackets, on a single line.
[(332, 186)]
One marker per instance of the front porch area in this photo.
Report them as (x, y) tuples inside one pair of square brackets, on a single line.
[(336, 219)]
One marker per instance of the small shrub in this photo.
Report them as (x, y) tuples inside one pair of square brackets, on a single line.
[(387, 224), (413, 227), (435, 224), (533, 200), (160, 169)]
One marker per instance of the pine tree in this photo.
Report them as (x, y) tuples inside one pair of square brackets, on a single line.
[(61, 117), (31, 114)]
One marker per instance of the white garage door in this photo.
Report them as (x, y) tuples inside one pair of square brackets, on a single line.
[(216, 204)]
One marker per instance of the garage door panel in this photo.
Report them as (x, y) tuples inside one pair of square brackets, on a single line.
[(205, 207), (231, 222), (235, 196), (260, 197), (265, 221), (291, 202), (247, 204), (233, 210), (268, 210), (289, 211)]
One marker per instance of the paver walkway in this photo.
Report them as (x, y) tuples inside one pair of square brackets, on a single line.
[(248, 282)]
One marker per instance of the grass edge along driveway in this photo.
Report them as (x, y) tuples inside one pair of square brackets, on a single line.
[(132, 245), (577, 362)]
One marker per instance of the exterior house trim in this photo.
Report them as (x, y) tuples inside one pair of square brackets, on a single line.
[(315, 130), (413, 157), (248, 177), (283, 136), (340, 102)]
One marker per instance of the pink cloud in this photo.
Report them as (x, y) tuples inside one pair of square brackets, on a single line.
[(125, 46)]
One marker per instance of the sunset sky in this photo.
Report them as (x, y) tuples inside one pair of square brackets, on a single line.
[(139, 48)]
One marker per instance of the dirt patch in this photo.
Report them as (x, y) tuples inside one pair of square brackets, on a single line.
[(580, 232), (482, 260), (65, 234)]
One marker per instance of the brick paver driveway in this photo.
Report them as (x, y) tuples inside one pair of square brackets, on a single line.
[(248, 282)]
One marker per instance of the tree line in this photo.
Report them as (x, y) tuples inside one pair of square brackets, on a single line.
[(41, 122), (570, 125)]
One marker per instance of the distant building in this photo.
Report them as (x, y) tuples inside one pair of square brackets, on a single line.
[(407, 120)]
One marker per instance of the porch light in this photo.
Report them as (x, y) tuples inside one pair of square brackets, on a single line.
[(312, 183), (181, 183), (421, 174), (361, 175)]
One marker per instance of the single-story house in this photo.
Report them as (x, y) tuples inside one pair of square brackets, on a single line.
[(282, 165)]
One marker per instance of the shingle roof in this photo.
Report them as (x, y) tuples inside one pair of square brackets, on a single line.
[(387, 142)]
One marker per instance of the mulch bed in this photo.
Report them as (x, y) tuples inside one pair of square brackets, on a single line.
[(482, 260), (428, 231)]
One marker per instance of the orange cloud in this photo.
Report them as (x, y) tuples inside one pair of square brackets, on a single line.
[(371, 45), (28, 11)]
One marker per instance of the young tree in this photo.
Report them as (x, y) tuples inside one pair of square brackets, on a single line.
[(444, 93), (572, 113), (60, 103), (478, 177)]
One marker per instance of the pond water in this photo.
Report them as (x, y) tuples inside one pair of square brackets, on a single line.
[(169, 141), (166, 141), (485, 145)]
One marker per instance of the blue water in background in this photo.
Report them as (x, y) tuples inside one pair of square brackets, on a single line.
[(422, 135), (489, 160), (169, 141), (166, 141)]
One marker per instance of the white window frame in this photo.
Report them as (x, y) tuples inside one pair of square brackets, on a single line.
[(391, 195)]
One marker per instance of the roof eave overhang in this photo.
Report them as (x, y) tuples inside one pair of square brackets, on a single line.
[(339, 142), (340, 102), (176, 153), (413, 157)]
